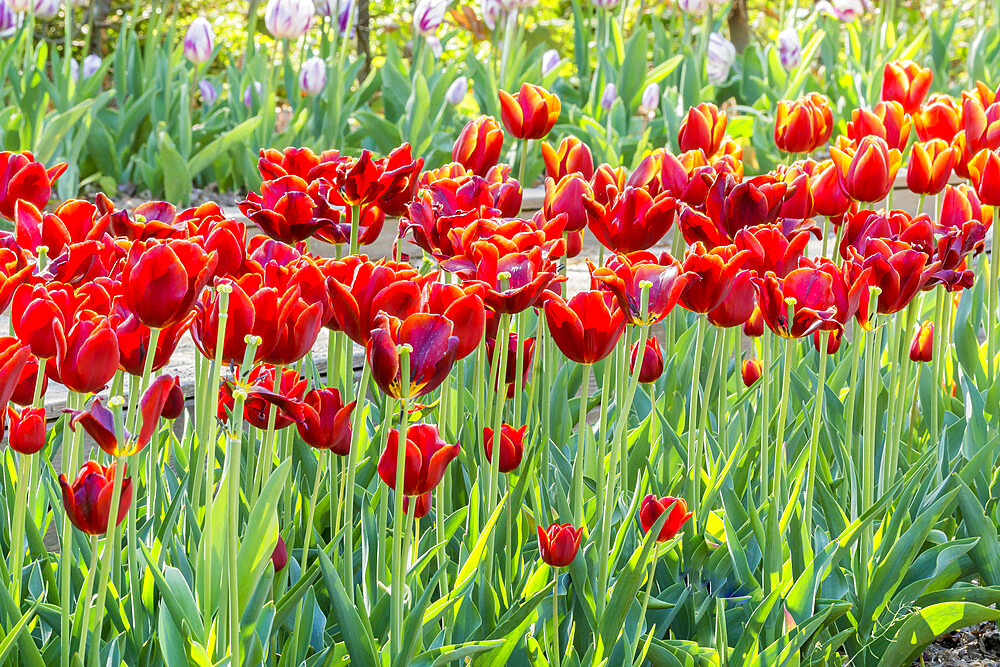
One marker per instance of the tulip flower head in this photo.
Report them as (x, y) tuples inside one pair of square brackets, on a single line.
[(27, 429), (846, 11), (652, 508), (938, 118), (587, 327), (345, 17), (624, 277), (433, 352), (209, 94), (324, 422), (929, 167), (652, 361), (312, 76), (530, 113), (199, 40), (558, 545), (984, 172), (651, 98), (253, 90), (421, 504), (457, 91), (750, 371), (721, 56), (279, 557), (425, 461), (23, 178), (162, 279), (693, 7), (550, 61), (288, 19), (572, 156), (46, 9), (906, 82), (491, 10), (789, 48), (428, 15), (9, 20), (867, 175), (605, 4), (703, 128), (922, 345), (511, 446), (478, 145), (88, 499), (609, 96), (803, 125), (91, 64)]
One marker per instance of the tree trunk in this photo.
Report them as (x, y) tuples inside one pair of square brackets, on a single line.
[(364, 43), (739, 25)]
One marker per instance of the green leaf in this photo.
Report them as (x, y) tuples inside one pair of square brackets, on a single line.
[(922, 627), (220, 145), (360, 644)]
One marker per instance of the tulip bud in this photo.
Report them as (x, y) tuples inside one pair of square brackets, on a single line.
[(789, 48), (652, 361), (693, 7), (845, 11), (88, 499), (74, 70), (652, 508), (345, 17), (609, 96), (199, 41), (751, 371), (312, 76), (530, 113), (703, 127), (421, 506), (478, 145), (922, 346), (46, 9), (721, 56), (457, 91), (651, 97), (434, 42), (491, 10), (279, 557), (9, 20), (256, 89), (511, 446), (27, 429), (428, 15), (288, 19), (550, 61), (929, 167), (558, 545), (208, 92), (906, 82), (605, 4), (91, 64)]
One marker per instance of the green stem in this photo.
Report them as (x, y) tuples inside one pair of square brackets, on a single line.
[(814, 437), (693, 442), (399, 524), (555, 659), (580, 460), (351, 472)]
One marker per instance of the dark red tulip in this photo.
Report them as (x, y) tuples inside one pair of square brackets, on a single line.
[(261, 396), (153, 404), (426, 458), (907, 83), (633, 220), (751, 371), (511, 446), (479, 145), (27, 429), (72, 222), (652, 361), (731, 207), (241, 317), (161, 280), (324, 422), (24, 392), (624, 276), (288, 327), (922, 345), (21, 178), (301, 162), (389, 182), (530, 113), (738, 307), (770, 249), (886, 120), (464, 307), (99, 423), (754, 327), (573, 156), (929, 167), (279, 557), (652, 508), (422, 504), (832, 339), (529, 274), (587, 327), (558, 545), (940, 117), (569, 196), (714, 273), (88, 500), (433, 351), (174, 405), (360, 289), (898, 269), (290, 209), (703, 127), (510, 371), (87, 358), (803, 125)]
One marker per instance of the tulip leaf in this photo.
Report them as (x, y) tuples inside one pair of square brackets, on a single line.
[(176, 593), (360, 644), (221, 145), (262, 532), (922, 627)]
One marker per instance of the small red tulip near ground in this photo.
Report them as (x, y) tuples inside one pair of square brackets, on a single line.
[(421, 506), (511, 446), (279, 557), (652, 508), (88, 500), (587, 327), (930, 167), (27, 429), (907, 83), (703, 127), (425, 461), (751, 371), (558, 545), (530, 113), (572, 156), (867, 175), (479, 145), (324, 422), (652, 361), (922, 345)]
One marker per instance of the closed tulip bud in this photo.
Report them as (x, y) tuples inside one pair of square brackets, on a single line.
[(984, 172), (312, 76), (530, 113), (88, 500), (288, 19), (87, 358), (511, 446), (426, 459), (558, 545), (906, 82), (703, 127), (572, 155), (651, 97), (199, 40), (91, 64), (345, 16), (208, 92), (803, 125), (491, 11), (421, 504), (693, 7), (789, 48), (27, 429), (457, 91), (609, 96), (652, 361), (751, 371), (46, 9), (279, 557), (922, 346), (255, 89), (721, 56), (868, 174), (652, 508), (478, 145), (428, 15), (930, 167), (550, 61)]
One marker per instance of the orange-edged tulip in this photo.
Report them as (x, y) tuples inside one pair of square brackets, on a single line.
[(87, 358), (907, 83), (161, 280), (930, 167), (529, 274), (714, 272), (652, 508), (558, 545), (530, 113), (72, 222), (21, 178), (623, 276), (301, 162), (511, 446), (88, 500), (958, 205), (803, 125), (360, 289), (433, 346), (279, 557), (829, 198), (479, 145), (421, 504), (27, 429), (652, 361), (939, 118), (754, 327), (750, 371), (634, 220), (980, 129), (703, 127), (868, 174), (587, 327), (984, 171), (922, 345), (572, 156), (886, 120), (426, 458), (509, 378), (569, 196)]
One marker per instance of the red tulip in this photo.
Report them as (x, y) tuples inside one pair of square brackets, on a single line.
[(714, 272), (511, 446), (732, 206), (738, 307), (886, 120), (288, 327), (803, 125), (433, 346), (652, 508), (261, 396), (479, 145), (869, 173), (161, 280), (88, 500), (464, 307), (898, 269), (529, 275), (72, 222), (241, 317), (573, 156), (14, 272), (703, 127), (633, 220), (907, 83), (558, 545), (829, 198), (361, 289), (301, 162), (27, 429), (569, 196), (922, 346), (652, 361), (390, 182), (939, 118), (751, 371), (930, 167), (279, 557), (289, 209), (770, 249), (133, 342), (422, 504), (984, 171), (21, 178), (960, 204), (87, 358), (510, 371), (24, 392), (426, 458), (624, 276), (530, 113), (587, 327), (324, 422)]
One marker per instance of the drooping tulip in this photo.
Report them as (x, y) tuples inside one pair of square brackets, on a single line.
[(652, 508), (587, 327), (88, 500), (425, 461), (199, 40), (530, 113), (324, 422), (511, 446), (558, 545), (288, 19)]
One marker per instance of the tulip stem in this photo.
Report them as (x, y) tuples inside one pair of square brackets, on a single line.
[(85, 602), (814, 436), (351, 471), (936, 361), (647, 595), (500, 350), (868, 439), (523, 167), (555, 617), (399, 524), (111, 541), (720, 342), (73, 401), (773, 548), (580, 460), (263, 467), (307, 538), (693, 443), (355, 227), (24, 478), (991, 311)]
